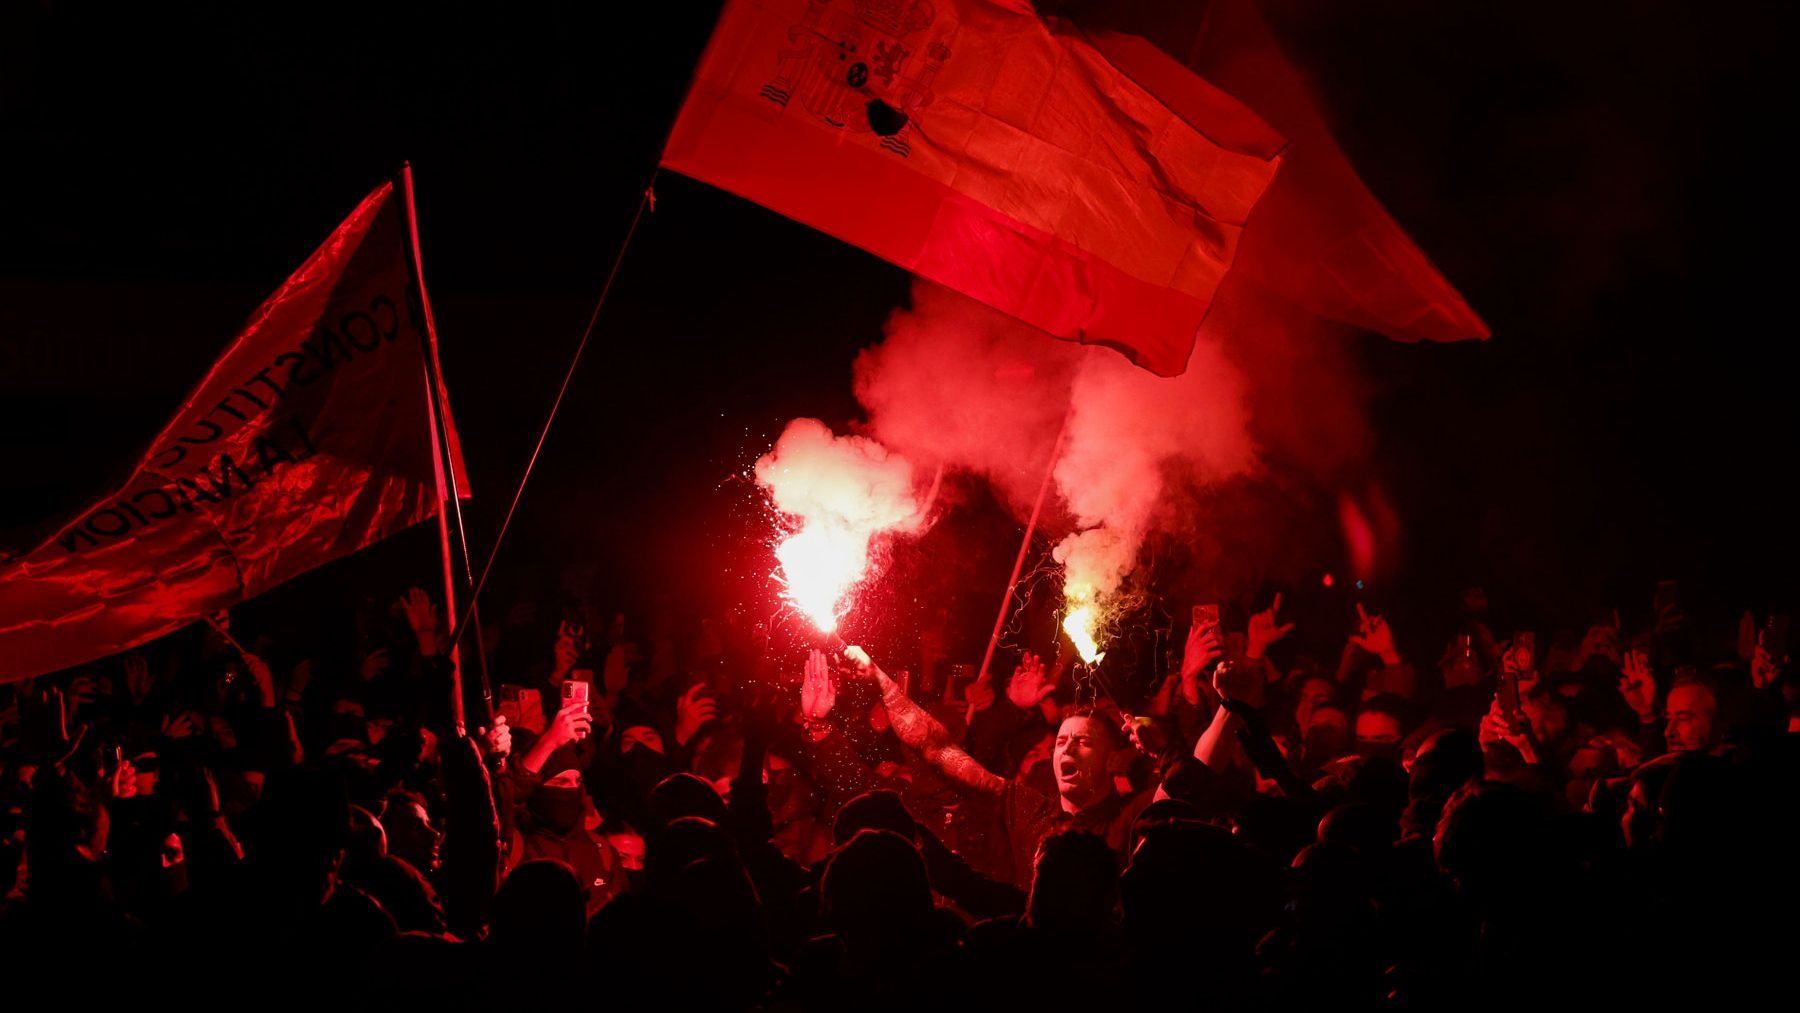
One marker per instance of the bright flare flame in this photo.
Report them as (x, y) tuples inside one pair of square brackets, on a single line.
[(820, 565), (1080, 624), (835, 496)]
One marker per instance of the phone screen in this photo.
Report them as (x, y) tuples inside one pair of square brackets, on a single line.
[(1206, 615), (574, 691)]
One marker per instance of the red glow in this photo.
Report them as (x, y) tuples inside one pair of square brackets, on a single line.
[(834, 496), (820, 565), (1359, 535)]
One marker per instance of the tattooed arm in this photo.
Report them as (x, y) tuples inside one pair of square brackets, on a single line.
[(923, 734)]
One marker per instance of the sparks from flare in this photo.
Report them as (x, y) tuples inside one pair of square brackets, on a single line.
[(833, 499)]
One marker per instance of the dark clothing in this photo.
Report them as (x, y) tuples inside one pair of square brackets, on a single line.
[(596, 864), (1028, 816)]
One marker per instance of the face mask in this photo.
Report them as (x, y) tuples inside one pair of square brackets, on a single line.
[(558, 809)]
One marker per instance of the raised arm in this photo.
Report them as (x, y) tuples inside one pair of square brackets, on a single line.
[(923, 734)]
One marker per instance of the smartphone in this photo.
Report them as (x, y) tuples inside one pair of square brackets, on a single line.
[(509, 704), (575, 691), (1524, 643), (1508, 693), (521, 708), (1206, 615), (1774, 637)]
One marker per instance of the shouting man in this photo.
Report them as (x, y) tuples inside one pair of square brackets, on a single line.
[(1086, 746)]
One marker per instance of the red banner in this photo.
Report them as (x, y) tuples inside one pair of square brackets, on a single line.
[(308, 440), (1320, 239), (997, 153)]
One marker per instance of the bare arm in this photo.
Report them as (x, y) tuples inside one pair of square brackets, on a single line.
[(1214, 744), (923, 734)]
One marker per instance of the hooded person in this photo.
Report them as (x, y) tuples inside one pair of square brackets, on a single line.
[(554, 825)]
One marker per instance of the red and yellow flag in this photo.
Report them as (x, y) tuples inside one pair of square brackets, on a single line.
[(309, 439), (980, 146)]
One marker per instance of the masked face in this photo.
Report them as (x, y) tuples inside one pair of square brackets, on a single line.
[(558, 809), (640, 735), (1378, 734), (560, 805)]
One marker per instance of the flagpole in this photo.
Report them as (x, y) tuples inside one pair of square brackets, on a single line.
[(1024, 547), (443, 467), (646, 201)]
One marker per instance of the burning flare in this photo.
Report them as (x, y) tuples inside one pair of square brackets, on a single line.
[(1081, 622), (837, 495), (820, 566)]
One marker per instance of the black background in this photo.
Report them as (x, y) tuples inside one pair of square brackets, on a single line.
[(1604, 181)]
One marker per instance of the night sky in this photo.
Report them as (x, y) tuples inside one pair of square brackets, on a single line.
[(1601, 180)]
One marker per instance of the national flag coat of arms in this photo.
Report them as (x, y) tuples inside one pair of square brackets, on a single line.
[(987, 149)]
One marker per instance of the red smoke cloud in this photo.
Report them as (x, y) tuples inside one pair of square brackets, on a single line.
[(957, 383)]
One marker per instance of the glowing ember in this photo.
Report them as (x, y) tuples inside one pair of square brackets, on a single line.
[(836, 495), (1080, 624)]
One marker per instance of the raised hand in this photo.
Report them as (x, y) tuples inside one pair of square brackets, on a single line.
[(692, 711), (817, 690), (84, 689), (1637, 685), (1497, 726), (1233, 681), (979, 695), (1375, 636), (123, 782), (137, 678), (498, 739), (571, 724), (865, 665), (1028, 687), (1205, 645), (180, 726), (422, 615), (1265, 629)]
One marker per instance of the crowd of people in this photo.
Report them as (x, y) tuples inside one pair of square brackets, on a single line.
[(684, 822)]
